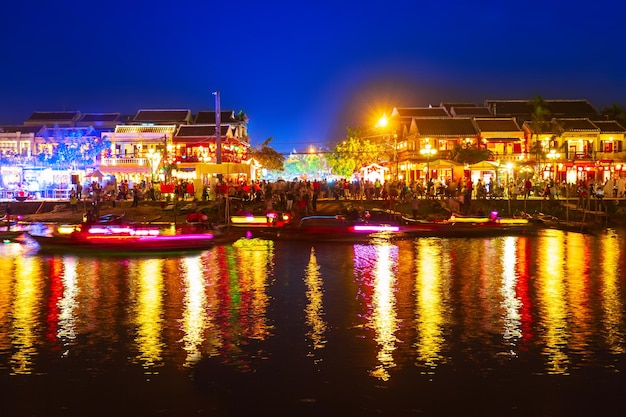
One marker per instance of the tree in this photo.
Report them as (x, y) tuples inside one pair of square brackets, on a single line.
[(268, 157), (75, 147), (356, 151), (539, 125), (310, 165), (469, 154), (615, 112)]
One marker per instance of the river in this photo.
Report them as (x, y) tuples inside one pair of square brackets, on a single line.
[(503, 326)]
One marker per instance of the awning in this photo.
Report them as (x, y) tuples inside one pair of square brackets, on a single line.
[(484, 166), (223, 168), (442, 164), (504, 139)]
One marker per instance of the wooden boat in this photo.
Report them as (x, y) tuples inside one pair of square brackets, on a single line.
[(11, 235), (342, 229), (123, 239)]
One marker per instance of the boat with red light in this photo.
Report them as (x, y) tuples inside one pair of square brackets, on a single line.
[(122, 238), (381, 224)]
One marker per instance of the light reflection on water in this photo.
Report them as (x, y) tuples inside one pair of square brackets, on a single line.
[(430, 300), (552, 304)]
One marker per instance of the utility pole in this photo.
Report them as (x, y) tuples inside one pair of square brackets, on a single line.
[(218, 129)]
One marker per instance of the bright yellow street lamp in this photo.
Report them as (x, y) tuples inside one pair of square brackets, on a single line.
[(553, 155), (428, 151)]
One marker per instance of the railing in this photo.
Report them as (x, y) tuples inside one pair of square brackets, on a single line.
[(48, 194), (111, 162)]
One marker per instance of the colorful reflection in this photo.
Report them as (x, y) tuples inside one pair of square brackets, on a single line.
[(195, 319), (375, 266), (67, 304), (147, 311), (553, 303), (314, 309), (430, 309), (612, 270), (577, 259), (462, 301), (26, 310), (511, 304)]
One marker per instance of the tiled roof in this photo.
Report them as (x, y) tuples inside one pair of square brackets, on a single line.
[(162, 116), (207, 117), (100, 117), (409, 112), (557, 108), (544, 127), (201, 130), (609, 126), (576, 125), (445, 127), (44, 116), (22, 129), (449, 106), (497, 125), (469, 111), (570, 108), (510, 107)]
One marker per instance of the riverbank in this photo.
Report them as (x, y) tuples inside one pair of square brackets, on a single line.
[(604, 212)]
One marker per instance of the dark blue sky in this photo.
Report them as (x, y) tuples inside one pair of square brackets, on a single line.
[(303, 71)]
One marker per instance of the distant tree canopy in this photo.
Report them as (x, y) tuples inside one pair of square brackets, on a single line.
[(615, 112), (357, 151), (268, 157)]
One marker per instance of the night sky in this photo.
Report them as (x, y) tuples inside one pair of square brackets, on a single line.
[(304, 71)]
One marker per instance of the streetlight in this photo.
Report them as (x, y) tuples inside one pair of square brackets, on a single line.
[(383, 122), (553, 155), (428, 151)]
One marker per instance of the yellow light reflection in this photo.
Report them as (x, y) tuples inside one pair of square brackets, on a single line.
[(255, 259), (384, 317), (511, 305), (25, 314), (194, 321), (579, 306), (612, 304), (551, 290), (7, 285), (429, 315), (149, 312), (67, 304), (314, 309)]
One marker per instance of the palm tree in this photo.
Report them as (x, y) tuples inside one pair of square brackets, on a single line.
[(615, 112), (538, 119)]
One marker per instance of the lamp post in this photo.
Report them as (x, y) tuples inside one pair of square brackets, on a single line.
[(553, 155), (428, 151)]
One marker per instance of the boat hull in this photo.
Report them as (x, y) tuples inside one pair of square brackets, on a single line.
[(125, 245), (347, 232)]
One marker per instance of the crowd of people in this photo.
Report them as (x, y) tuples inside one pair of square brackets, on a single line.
[(301, 196)]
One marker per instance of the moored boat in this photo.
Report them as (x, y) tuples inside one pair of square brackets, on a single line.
[(345, 229), (122, 239)]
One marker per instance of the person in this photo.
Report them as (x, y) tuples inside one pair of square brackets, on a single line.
[(90, 217), (79, 191), (528, 186), (135, 196), (415, 204), (73, 201), (7, 213)]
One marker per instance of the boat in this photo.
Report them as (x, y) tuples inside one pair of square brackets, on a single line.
[(341, 228), (121, 239), (8, 236)]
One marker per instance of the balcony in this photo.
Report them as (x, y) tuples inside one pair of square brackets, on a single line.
[(125, 162)]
